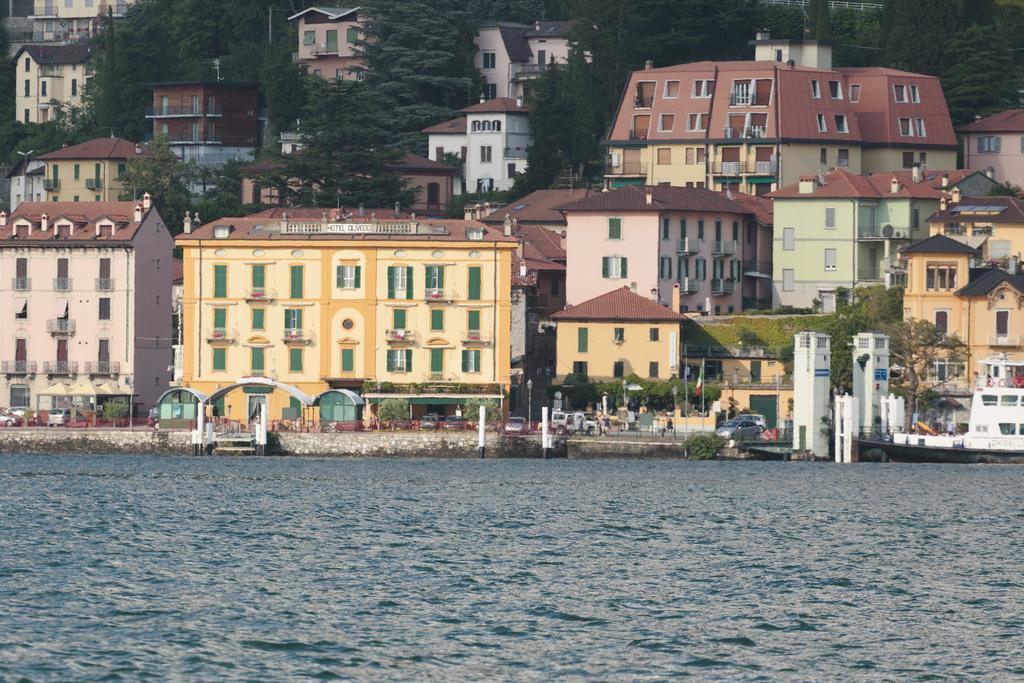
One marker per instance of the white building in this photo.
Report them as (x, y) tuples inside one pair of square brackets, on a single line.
[(510, 55), (492, 139), (27, 178)]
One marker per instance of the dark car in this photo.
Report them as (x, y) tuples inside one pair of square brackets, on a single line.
[(454, 422), (430, 422)]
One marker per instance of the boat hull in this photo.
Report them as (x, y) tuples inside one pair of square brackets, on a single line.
[(882, 451)]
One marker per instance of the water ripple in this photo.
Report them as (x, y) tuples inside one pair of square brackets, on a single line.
[(119, 568)]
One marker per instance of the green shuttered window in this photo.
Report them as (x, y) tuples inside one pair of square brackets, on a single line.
[(295, 360), (474, 321), (296, 281), (437, 319), (220, 282), (582, 339), (474, 283), (348, 362), (220, 361)]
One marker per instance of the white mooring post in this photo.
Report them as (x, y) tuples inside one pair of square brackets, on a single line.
[(544, 431), (846, 419), (261, 430), (870, 378), (482, 427), (811, 362), (200, 432)]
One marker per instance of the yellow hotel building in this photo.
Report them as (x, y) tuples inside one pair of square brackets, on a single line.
[(315, 301)]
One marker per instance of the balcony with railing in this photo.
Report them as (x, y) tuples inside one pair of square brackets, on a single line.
[(627, 169), (60, 367), (400, 336), (1005, 340), (720, 286), (62, 284), (220, 335), (94, 183), (21, 284), (688, 245), (436, 295), (18, 367), (689, 285), (60, 326), (51, 184), (51, 71), (260, 294), (741, 168), (869, 273), (474, 338), (873, 231), (188, 139), (295, 335), (723, 247), (186, 111), (106, 368), (104, 284), (746, 133), (529, 71)]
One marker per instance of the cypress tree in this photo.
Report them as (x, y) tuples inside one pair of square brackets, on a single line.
[(979, 78)]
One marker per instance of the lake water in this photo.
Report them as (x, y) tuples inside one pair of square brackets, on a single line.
[(266, 569)]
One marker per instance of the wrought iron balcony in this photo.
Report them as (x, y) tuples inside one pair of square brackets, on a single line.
[(688, 245), (104, 284), (1005, 340), (294, 335), (721, 286), (221, 335), (399, 336), (474, 338), (260, 294), (435, 294), (103, 367), (19, 367), (689, 285), (60, 326), (723, 247), (60, 367), (21, 284), (51, 184), (62, 284), (94, 183)]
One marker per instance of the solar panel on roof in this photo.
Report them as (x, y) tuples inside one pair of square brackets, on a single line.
[(519, 207)]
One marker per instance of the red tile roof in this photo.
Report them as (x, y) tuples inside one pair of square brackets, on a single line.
[(982, 209), (99, 148), (539, 206), (1010, 121), (619, 304), (841, 184), (497, 105), (662, 198), (57, 54), (452, 127), (761, 207), (544, 241), (84, 216), (413, 162)]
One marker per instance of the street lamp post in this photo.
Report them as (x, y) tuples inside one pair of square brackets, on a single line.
[(529, 403)]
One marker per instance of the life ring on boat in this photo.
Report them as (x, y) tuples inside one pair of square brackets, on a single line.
[(770, 435), (988, 382), (1002, 382)]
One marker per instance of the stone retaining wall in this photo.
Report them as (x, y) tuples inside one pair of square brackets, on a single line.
[(60, 440)]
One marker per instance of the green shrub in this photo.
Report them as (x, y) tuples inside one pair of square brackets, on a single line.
[(392, 409), (471, 409), (115, 409), (703, 446)]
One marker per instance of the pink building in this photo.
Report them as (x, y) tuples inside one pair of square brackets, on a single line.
[(510, 55), (650, 238), (327, 41), (996, 142), (85, 300)]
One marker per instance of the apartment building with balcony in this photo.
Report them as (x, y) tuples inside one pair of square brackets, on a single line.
[(73, 20), (375, 307), (992, 225), (653, 238), (951, 284), (328, 41), (616, 335), (85, 299), (209, 122), (996, 142), (492, 140), (755, 126), (842, 230), (49, 77), (510, 55), (90, 171)]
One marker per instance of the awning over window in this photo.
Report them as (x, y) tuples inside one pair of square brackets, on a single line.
[(21, 306), (62, 308)]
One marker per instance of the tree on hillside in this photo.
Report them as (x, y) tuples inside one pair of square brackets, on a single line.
[(916, 33), (347, 158), (979, 78), (160, 173), (419, 59), (820, 19), (914, 346)]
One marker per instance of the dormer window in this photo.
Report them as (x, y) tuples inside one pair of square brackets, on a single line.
[(475, 234), (221, 231)]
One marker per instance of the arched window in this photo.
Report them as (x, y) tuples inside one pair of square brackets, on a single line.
[(497, 126), (476, 126), (486, 125)]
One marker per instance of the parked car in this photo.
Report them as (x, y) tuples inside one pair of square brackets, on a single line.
[(453, 422), (739, 430), (9, 419), (754, 417), (429, 422), (559, 419), (515, 425), (58, 417), (583, 423)]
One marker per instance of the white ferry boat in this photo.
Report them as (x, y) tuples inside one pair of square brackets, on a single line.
[(995, 431)]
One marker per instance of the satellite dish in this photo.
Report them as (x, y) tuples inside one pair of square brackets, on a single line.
[(887, 230)]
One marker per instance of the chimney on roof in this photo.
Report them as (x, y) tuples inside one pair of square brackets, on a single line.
[(483, 98), (536, 25), (1014, 265), (147, 201), (677, 304), (196, 223), (519, 101), (138, 148), (561, 240), (808, 184), (44, 222), (187, 223), (943, 202), (991, 173), (655, 297), (522, 267), (955, 195), (3, 219), (916, 173), (362, 211), (894, 185), (648, 65), (508, 225), (649, 195), (138, 213), (945, 180)]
